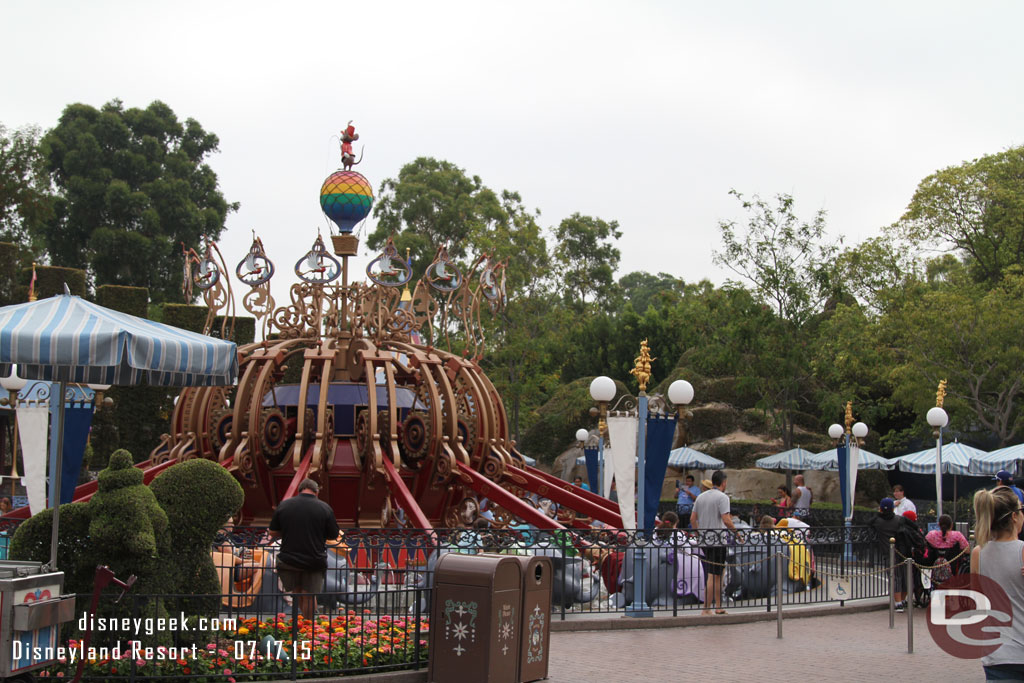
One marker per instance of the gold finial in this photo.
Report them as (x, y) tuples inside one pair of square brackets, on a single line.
[(32, 284), (642, 371), (940, 395), (406, 295), (849, 416)]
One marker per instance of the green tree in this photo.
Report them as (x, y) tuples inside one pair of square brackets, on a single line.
[(431, 204), (643, 289), (133, 185), (976, 208), (787, 264), (586, 257), (26, 201), (967, 334)]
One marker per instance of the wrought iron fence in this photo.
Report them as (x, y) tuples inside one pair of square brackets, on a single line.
[(373, 614)]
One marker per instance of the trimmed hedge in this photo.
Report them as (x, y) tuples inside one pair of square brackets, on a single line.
[(50, 280), (76, 556), (8, 273), (193, 526), (189, 317), (130, 300)]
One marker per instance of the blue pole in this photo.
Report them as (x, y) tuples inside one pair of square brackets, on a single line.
[(600, 463), (639, 607), (848, 496), (938, 472)]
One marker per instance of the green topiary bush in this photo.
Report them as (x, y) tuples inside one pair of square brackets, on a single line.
[(76, 556), (198, 497), (50, 280)]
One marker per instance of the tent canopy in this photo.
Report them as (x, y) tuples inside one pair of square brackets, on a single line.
[(67, 339), (956, 459), (793, 459), (684, 458), (990, 463), (829, 460)]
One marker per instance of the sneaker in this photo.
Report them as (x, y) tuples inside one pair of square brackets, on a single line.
[(901, 606)]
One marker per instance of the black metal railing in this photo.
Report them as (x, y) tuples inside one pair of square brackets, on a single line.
[(373, 614)]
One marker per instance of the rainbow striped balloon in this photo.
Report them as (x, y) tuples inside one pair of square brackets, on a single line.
[(346, 198)]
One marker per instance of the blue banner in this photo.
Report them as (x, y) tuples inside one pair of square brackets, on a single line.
[(844, 478), (77, 422), (660, 430), (592, 468)]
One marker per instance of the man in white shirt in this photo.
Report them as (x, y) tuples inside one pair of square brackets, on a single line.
[(902, 502)]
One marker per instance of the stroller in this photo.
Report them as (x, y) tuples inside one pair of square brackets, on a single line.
[(941, 565)]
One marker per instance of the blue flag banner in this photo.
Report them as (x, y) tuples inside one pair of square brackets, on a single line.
[(77, 422), (592, 468), (843, 456), (660, 430)]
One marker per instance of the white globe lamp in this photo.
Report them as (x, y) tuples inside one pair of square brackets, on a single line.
[(680, 392), (602, 389)]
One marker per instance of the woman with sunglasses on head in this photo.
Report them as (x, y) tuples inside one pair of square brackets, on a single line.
[(1000, 557)]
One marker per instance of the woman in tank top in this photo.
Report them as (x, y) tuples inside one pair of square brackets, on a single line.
[(1000, 557)]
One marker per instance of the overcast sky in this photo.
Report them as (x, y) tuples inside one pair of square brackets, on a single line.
[(644, 113)]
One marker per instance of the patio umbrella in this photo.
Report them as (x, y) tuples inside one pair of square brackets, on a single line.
[(793, 459), (1001, 459), (67, 339), (829, 460), (956, 459), (684, 458)]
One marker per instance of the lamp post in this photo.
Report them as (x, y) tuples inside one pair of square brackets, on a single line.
[(938, 419), (851, 437), (581, 436), (13, 384), (602, 390)]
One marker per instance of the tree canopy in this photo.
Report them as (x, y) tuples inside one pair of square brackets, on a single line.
[(132, 185)]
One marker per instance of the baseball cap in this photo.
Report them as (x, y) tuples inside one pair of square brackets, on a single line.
[(1003, 475), (887, 504)]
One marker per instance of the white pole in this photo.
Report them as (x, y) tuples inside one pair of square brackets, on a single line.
[(56, 476), (938, 472)]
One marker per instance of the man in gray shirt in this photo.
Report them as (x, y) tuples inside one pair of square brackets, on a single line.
[(710, 515)]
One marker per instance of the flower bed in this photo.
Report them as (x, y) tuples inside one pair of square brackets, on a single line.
[(344, 643)]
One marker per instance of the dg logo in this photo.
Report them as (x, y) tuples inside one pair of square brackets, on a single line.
[(970, 616)]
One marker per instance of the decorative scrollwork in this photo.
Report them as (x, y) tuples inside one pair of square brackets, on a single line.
[(443, 275), (255, 269), (318, 267), (363, 436), (415, 442), (273, 433), (389, 269)]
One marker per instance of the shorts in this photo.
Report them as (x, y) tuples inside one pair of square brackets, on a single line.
[(1004, 672), (298, 580), (714, 560)]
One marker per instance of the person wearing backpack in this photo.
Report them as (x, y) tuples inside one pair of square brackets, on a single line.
[(887, 524)]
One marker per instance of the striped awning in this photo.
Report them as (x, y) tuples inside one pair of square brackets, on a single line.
[(1001, 459), (793, 459), (956, 459), (829, 460), (688, 459), (65, 338)]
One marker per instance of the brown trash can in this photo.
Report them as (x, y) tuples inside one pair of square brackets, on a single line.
[(475, 619), (536, 618)]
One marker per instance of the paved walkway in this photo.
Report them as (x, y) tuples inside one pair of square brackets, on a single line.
[(848, 647)]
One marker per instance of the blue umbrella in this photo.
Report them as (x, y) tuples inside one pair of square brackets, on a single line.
[(793, 459), (1002, 459), (829, 460), (67, 339), (684, 458), (956, 459)]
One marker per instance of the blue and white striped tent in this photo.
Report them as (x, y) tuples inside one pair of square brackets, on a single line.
[(793, 459), (1008, 458), (684, 458), (67, 339), (829, 460), (956, 459)]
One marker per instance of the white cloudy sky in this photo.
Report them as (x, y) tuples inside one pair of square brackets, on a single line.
[(642, 112)]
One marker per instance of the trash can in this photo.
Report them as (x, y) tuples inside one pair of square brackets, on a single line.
[(475, 619), (31, 612), (535, 621)]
